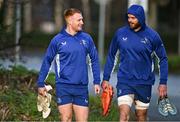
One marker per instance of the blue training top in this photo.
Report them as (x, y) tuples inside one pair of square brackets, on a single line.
[(137, 51), (70, 54)]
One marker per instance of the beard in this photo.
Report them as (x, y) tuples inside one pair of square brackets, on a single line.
[(134, 25)]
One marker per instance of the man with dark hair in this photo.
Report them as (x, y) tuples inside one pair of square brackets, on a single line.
[(70, 49), (137, 45)]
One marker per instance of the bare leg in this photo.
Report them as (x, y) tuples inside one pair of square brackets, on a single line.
[(65, 112), (124, 113), (81, 113), (141, 115)]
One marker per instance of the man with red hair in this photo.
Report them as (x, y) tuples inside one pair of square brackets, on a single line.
[(70, 49)]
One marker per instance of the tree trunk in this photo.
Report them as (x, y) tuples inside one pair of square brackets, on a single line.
[(27, 24), (86, 14), (153, 14), (1, 2), (9, 14), (58, 14), (108, 18)]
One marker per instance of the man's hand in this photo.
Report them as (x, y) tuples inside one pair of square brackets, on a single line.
[(162, 90), (104, 85), (42, 91), (106, 97), (97, 89)]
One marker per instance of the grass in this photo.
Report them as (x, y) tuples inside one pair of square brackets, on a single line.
[(18, 96)]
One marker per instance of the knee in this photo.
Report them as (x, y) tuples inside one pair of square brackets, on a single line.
[(141, 115), (66, 117), (124, 117)]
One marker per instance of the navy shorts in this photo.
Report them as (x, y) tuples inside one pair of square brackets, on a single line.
[(68, 94), (141, 92)]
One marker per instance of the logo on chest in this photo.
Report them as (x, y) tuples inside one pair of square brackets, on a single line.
[(145, 40), (124, 39), (63, 43), (83, 42)]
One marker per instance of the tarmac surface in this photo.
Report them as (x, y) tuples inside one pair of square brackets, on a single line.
[(153, 114)]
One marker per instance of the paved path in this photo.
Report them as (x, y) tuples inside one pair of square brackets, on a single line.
[(173, 93)]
